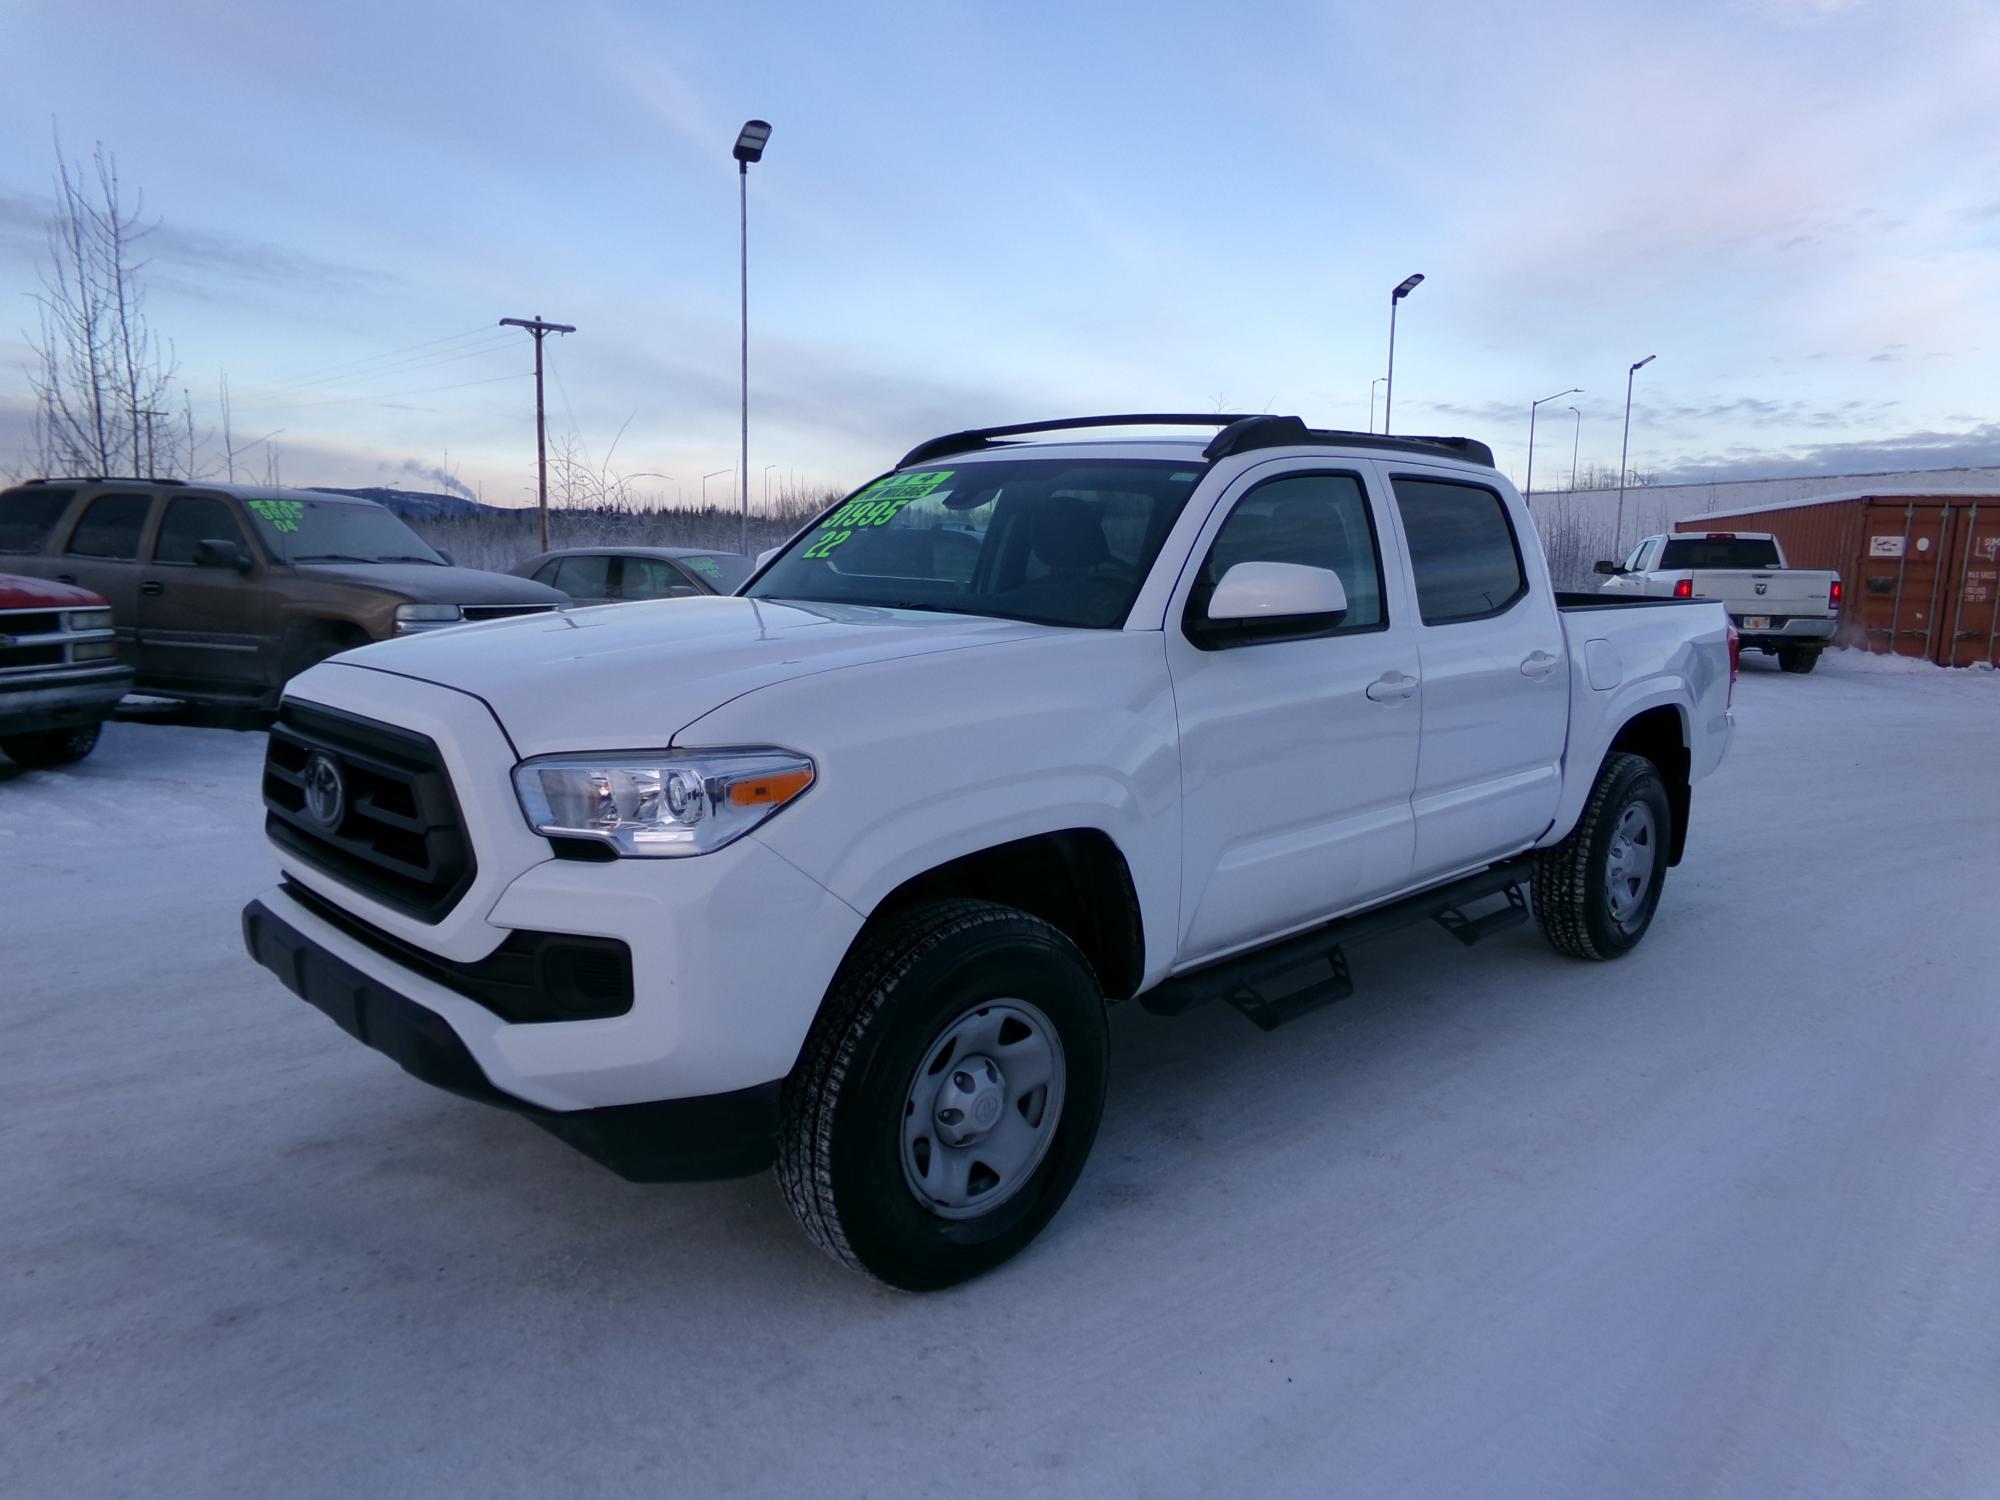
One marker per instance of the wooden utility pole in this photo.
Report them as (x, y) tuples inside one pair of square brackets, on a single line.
[(540, 330)]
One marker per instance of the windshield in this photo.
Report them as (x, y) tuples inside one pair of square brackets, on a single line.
[(1720, 552), (722, 571), (1056, 541), (335, 531)]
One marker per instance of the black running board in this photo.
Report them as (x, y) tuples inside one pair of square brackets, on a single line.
[(1297, 975)]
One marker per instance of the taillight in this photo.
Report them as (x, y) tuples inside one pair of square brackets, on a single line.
[(1684, 588), (1735, 664), (1833, 595)]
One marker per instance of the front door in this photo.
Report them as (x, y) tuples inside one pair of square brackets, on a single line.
[(1298, 755), (1495, 669), (202, 628)]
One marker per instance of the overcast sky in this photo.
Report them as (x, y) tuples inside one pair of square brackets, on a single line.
[(980, 213)]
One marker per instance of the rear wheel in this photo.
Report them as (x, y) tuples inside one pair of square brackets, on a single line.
[(1596, 891), (948, 1095), (51, 747), (1798, 658)]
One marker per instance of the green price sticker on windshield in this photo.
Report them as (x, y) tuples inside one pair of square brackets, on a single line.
[(279, 515), (877, 505)]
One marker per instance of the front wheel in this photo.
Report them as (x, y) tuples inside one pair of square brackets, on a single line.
[(51, 747), (947, 1096), (1596, 891)]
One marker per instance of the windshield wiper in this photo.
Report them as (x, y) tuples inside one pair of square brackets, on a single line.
[(300, 557), (436, 562)]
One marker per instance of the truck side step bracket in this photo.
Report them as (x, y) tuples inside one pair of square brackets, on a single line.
[(1276, 1000), (1297, 975), (1469, 930)]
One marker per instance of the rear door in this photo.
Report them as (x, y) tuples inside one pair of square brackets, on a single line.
[(1298, 755), (1495, 672), (101, 553), (203, 628)]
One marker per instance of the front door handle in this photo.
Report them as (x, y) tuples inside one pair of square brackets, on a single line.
[(1540, 664), (151, 587), (1391, 687)]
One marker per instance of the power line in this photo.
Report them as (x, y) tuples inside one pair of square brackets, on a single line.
[(403, 366), (369, 359), (385, 396)]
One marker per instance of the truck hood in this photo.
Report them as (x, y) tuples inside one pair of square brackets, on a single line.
[(427, 583), (17, 592), (630, 676)]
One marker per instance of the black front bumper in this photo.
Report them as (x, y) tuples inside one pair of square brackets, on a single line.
[(667, 1140), (70, 699)]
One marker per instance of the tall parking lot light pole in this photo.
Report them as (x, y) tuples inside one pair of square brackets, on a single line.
[(1624, 446), (1403, 289), (1371, 400), (750, 142), (1533, 407), (1575, 443), (704, 494)]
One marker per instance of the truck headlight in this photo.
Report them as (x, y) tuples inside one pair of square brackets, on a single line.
[(411, 618), (659, 803), (90, 619)]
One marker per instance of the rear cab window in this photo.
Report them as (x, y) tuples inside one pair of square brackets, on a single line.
[(28, 517), (1748, 553), (110, 527), (1464, 555)]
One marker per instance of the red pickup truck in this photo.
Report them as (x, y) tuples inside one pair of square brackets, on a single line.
[(60, 676)]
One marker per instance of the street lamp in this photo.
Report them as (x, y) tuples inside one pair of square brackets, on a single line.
[(1533, 407), (1618, 522), (1371, 400), (750, 143), (767, 485), (1403, 289), (1575, 442), (704, 493)]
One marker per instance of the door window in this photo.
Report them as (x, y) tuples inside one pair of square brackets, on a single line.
[(191, 520), (1316, 520), (1463, 554), (585, 577), (28, 516), (653, 578), (1636, 563), (110, 527)]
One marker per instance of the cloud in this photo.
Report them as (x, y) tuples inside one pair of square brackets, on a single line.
[(1975, 449)]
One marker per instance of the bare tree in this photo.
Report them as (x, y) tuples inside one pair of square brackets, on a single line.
[(100, 378)]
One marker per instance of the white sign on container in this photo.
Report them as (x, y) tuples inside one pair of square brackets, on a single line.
[(1885, 546)]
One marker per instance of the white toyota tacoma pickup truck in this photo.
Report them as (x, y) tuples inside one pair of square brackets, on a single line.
[(1790, 613), (841, 873)]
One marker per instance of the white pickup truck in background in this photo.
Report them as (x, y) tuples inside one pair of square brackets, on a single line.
[(841, 873), (1791, 613)]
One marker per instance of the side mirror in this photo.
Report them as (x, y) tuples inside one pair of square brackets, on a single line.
[(216, 553), (1609, 569), (1261, 599), (445, 553)]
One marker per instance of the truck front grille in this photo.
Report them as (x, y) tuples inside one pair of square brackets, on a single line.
[(33, 640), (368, 804)]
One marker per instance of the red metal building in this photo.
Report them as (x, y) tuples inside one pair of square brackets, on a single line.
[(1920, 572)]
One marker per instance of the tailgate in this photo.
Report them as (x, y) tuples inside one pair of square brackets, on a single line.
[(1780, 592)]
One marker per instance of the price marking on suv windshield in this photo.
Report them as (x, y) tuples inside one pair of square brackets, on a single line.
[(279, 515), (877, 505)]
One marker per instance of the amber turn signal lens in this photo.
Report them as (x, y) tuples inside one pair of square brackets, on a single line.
[(768, 791)]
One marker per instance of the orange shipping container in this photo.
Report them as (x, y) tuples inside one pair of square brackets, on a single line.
[(1920, 574)]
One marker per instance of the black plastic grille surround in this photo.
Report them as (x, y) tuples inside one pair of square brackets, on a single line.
[(532, 976), (399, 839)]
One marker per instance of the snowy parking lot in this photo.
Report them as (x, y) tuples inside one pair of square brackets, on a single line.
[(1719, 1219)]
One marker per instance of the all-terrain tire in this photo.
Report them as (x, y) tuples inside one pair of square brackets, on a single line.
[(906, 985), (1797, 658), (1571, 892), (51, 747)]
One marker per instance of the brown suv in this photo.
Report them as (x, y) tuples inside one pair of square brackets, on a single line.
[(223, 593)]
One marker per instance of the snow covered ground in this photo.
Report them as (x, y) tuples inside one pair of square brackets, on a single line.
[(1721, 1219)]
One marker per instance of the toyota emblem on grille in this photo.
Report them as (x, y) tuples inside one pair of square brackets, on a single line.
[(326, 792)]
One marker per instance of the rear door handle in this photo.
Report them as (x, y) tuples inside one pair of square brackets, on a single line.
[(150, 587), (1540, 664), (65, 578), (1390, 687)]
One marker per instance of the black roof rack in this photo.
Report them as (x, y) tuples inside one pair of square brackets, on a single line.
[(1240, 433), (104, 479)]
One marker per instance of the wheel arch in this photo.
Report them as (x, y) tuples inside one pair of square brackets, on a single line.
[(1660, 735), (1075, 879)]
